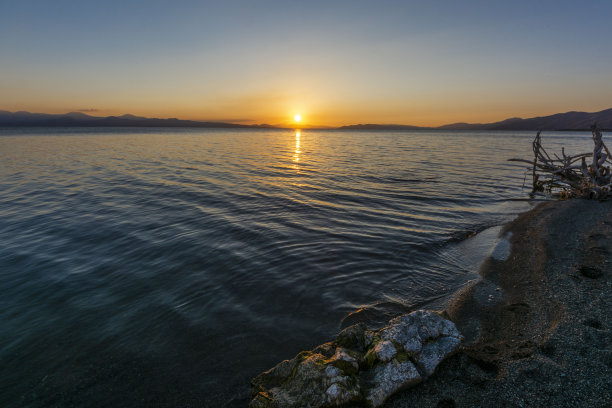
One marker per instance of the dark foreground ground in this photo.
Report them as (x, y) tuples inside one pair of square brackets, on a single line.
[(538, 326)]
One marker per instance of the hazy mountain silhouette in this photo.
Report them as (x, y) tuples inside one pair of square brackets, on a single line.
[(560, 121), (372, 126), (73, 119)]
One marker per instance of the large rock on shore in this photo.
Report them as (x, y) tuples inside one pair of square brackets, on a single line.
[(360, 365)]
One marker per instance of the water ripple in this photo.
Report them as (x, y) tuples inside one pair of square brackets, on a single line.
[(163, 264)]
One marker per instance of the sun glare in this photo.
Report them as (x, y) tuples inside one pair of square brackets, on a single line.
[(297, 118)]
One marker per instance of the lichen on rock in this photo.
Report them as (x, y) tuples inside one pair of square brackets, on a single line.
[(360, 365)]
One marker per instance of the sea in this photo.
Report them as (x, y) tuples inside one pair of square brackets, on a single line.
[(165, 267)]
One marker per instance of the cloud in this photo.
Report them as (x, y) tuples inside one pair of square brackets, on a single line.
[(88, 110)]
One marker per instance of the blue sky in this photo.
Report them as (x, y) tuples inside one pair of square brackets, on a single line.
[(336, 62)]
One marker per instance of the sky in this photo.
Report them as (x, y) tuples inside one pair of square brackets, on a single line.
[(334, 62)]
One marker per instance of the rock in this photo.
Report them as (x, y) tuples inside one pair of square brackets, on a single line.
[(432, 325), (412, 330), (361, 365), (332, 371), (338, 395), (326, 349), (433, 353), (314, 382), (347, 363), (385, 350), (390, 378), (405, 333), (352, 337), (368, 338), (274, 376), (263, 400), (334, 392)]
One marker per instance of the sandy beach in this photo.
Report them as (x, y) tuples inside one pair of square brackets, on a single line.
[(537, 325)]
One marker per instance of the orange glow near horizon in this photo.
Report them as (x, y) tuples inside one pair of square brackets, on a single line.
[(321, 113)]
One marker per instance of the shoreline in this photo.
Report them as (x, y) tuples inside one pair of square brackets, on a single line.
[(537, 324)]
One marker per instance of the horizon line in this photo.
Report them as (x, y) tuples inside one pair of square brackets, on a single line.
[(287, 125)]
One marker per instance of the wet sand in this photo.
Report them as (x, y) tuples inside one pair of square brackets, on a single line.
[(538, 324)]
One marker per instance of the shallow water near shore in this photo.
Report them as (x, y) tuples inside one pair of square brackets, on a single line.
[(167, 267)]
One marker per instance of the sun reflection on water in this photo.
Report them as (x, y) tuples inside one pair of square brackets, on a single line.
[(297, 151)]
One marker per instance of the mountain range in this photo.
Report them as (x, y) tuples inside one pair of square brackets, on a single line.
[(560, 121), (75, 119)]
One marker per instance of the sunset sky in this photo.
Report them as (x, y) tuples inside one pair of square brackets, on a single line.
[(334, 62)]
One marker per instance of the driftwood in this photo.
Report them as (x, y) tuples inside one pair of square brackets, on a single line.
[(571, 176)]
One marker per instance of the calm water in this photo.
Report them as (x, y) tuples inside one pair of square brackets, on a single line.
[(165, 268)]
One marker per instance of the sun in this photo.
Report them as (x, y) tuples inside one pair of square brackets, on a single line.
[(297, 118)]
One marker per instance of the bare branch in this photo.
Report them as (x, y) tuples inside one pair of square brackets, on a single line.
[(563, 177)]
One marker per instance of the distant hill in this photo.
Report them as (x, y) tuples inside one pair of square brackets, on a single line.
[(371, 126), (559, 121), (74, 119)]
